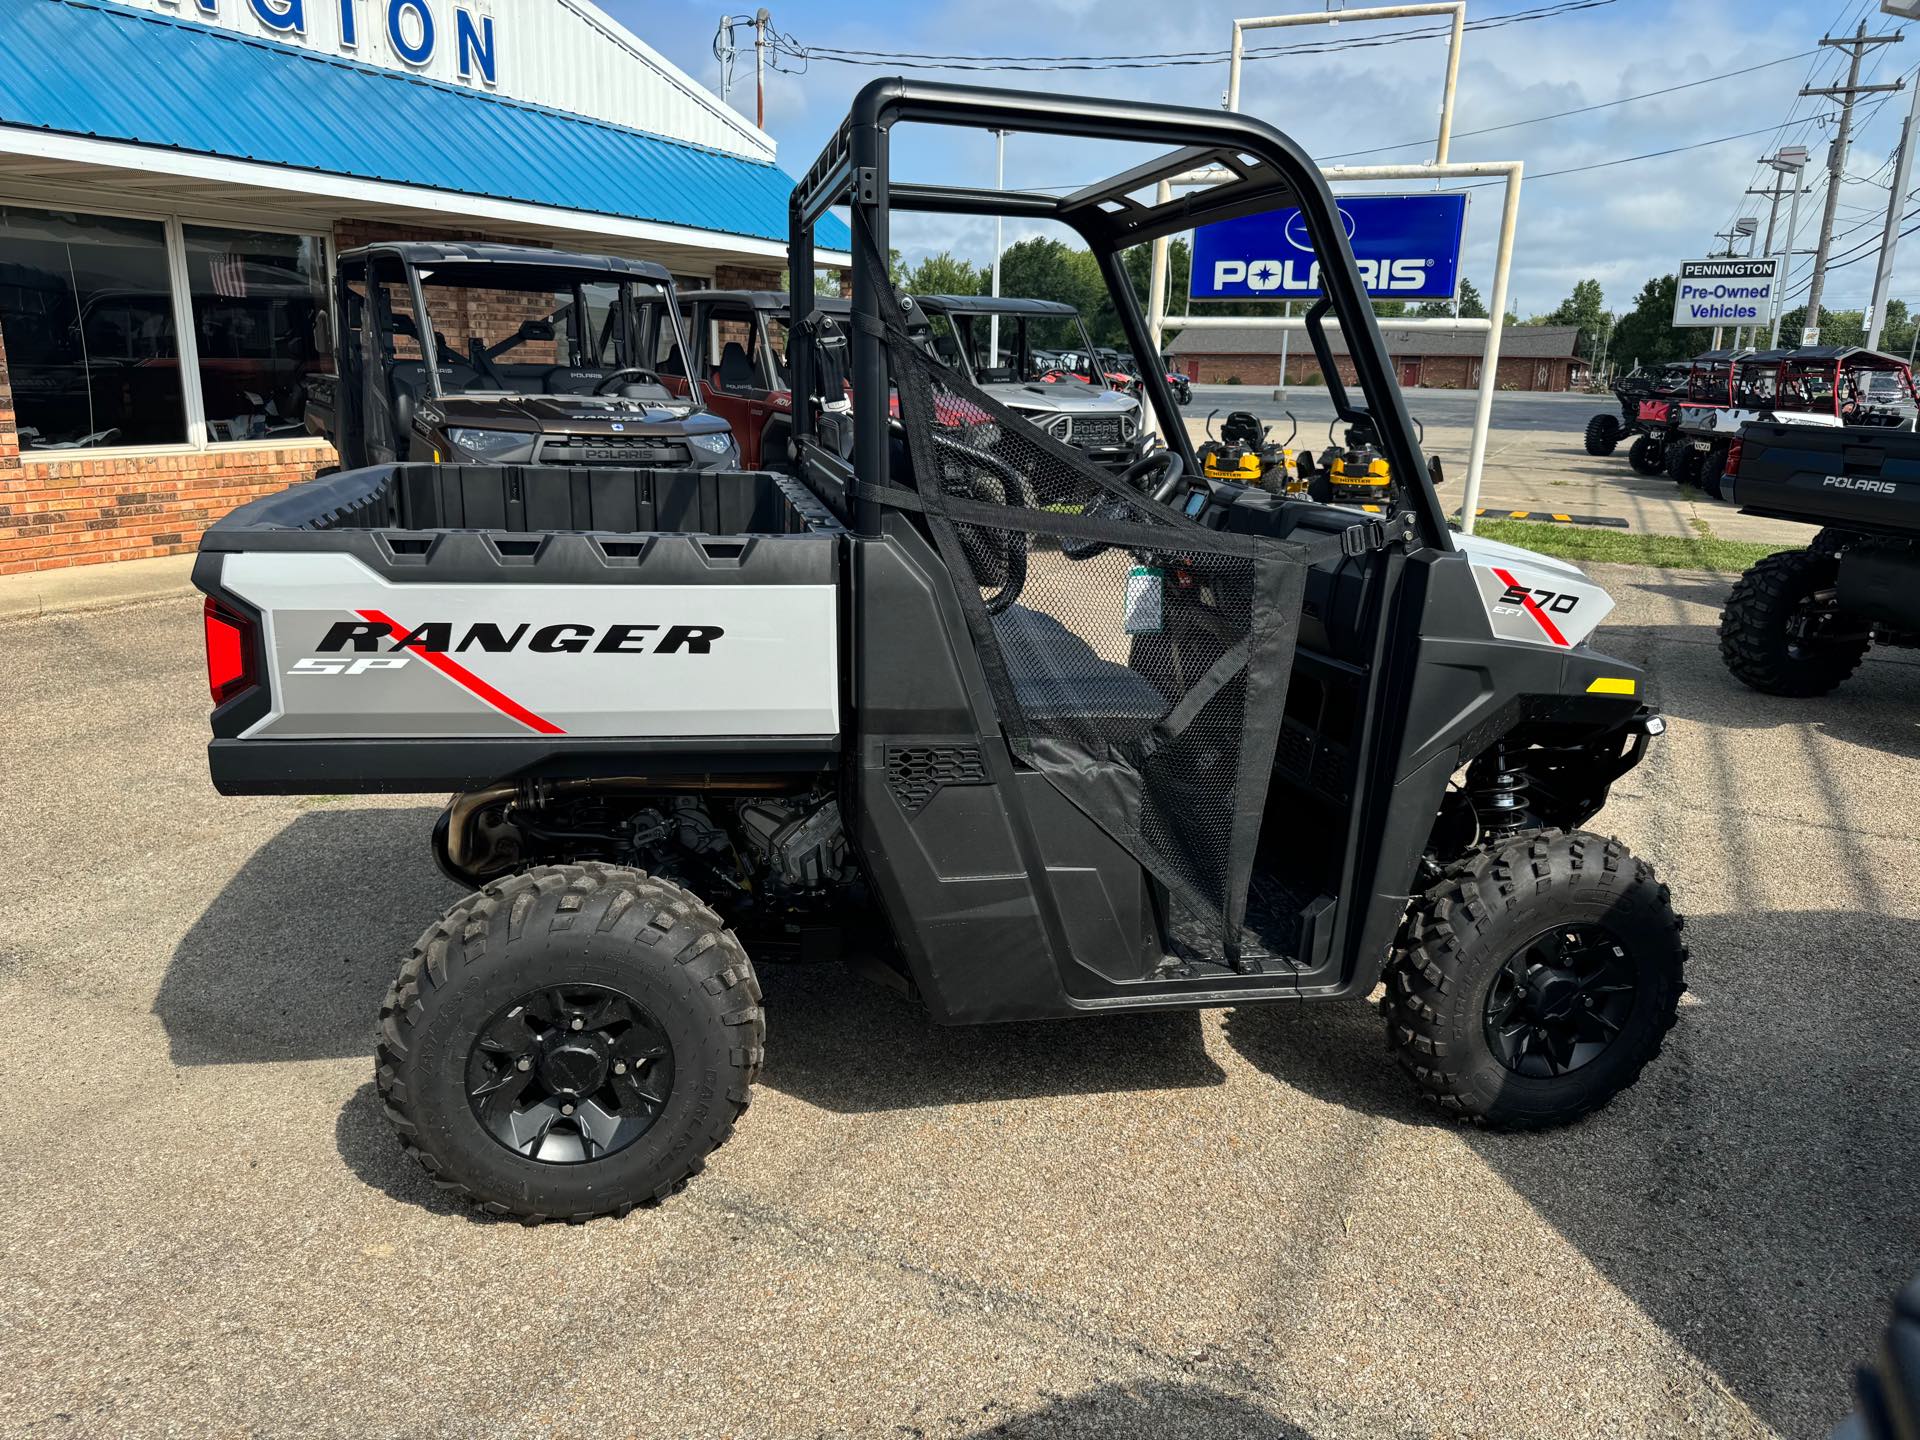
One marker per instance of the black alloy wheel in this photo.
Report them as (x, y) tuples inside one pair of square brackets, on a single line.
[(570, 1074), (1560, 1001)]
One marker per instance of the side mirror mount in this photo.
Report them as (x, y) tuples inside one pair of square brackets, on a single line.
[(1435, 472)]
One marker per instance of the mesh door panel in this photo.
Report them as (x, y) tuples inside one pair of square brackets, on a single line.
[(1137, 659)]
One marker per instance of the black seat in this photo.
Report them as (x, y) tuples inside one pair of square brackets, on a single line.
[(1057, 675), (736, 371)]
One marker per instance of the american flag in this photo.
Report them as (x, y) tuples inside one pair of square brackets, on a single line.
[(229, 276)]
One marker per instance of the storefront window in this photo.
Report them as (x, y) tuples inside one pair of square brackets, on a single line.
[(256, 297), (86, 310)]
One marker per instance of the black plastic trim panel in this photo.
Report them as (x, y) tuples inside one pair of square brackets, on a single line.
[(436, 766)]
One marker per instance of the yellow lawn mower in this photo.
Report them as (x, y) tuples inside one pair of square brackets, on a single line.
[(1243, 455), (1356, 474)]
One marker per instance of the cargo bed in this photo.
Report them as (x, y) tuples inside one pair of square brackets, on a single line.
[(1862, 478), (443, 627)]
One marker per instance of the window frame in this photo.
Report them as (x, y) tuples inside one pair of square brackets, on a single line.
[(186, 338)]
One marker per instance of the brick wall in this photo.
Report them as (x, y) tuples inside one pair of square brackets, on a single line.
[(746, 277), (80, 511)]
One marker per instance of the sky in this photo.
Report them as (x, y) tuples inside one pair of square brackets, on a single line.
[(1620, 224)]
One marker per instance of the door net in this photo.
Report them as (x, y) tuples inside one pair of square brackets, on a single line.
[(1137, 659)]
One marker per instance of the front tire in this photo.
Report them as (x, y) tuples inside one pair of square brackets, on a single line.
[(1603, 434), (1644, 455), (571, 1041), (1536, 981), (1780, 633)]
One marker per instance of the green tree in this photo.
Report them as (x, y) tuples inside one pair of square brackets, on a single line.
[(1646, 334), (1585, 307), (1472, 307), (1040, 268), (945, 274)]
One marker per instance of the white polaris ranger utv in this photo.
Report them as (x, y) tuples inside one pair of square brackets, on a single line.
[(1032, 739)]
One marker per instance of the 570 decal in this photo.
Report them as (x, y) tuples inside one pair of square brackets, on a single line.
[(1542, 605), (1551, 600)]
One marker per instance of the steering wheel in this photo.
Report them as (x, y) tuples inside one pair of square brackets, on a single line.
[(997, 557), (1135, 475), (1110, 507), (621, 374)]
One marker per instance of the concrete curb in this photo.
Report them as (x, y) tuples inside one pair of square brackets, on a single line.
[(94, 587)]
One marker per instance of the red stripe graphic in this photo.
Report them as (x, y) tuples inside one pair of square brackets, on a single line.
[(465, 678), (1533, 607)]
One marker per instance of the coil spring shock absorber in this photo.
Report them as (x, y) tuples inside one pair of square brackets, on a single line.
[(1499, 786)]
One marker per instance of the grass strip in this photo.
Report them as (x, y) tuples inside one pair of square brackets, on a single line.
[(1593, 545)]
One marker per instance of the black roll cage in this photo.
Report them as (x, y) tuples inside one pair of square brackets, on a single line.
[(1270, 172)]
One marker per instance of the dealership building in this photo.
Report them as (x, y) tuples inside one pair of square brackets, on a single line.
[(177, 177), (1532, 357)]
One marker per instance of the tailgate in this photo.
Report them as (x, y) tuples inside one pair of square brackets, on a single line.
[(1866, 477), (391, 661)]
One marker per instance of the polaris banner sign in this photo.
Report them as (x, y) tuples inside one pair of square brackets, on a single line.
[(1726, 292), (1407, 247)]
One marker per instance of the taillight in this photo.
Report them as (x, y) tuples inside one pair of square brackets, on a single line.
[(230, 662), (1733, 458)]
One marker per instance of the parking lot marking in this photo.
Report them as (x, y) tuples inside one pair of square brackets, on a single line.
[(1546, 517)]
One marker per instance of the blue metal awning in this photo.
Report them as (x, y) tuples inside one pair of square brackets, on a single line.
[(107, 72)]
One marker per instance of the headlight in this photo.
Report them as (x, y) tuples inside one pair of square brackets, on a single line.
[(714, 442), (1060, 427), (493, 447), (1129, 427)]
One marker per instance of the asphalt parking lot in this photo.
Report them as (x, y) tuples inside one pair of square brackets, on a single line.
[(1230, 1224)]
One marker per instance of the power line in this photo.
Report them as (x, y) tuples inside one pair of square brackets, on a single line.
[(912, 60), (1580, 110)]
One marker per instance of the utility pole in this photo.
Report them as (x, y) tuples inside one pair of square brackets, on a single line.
[(1856, 46), (1742, 226), (1791, 160), (1773, 218), (1890, 238), (999, 243), (760, 21)]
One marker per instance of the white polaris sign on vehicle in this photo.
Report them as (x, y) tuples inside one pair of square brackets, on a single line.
[(1725, 292)]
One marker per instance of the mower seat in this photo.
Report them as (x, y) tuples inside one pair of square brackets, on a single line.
[(1057, 676)]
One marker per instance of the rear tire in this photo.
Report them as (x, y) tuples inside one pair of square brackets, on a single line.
[(1712, 469), (1833, 540), (1563, 939), (1603, 434), (1769, 604), (1682, 463), (1644, 455), (561, 1010)]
